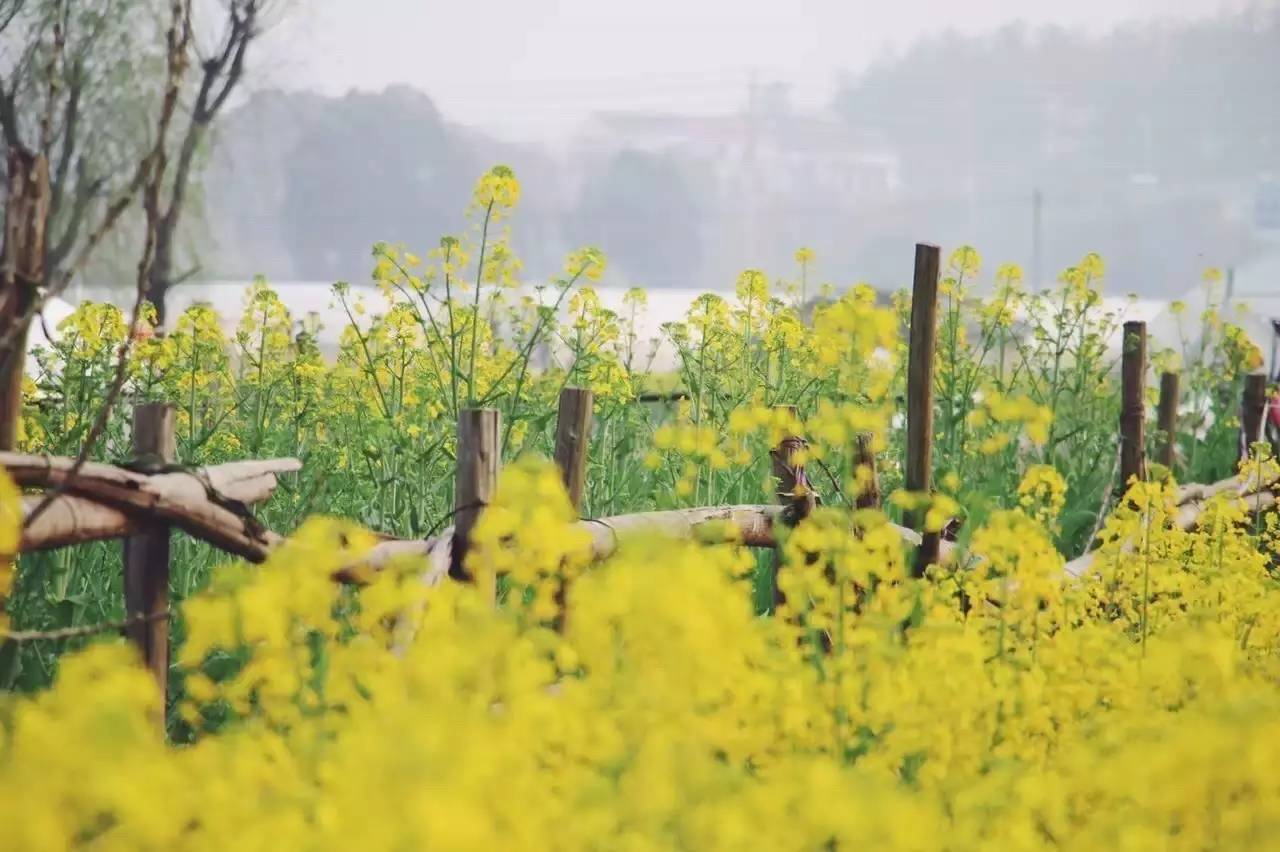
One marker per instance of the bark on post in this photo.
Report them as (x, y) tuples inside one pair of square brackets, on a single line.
[(21, 271), (863, 458), (146, 553), (573, 433), (793, 490), (1253, 410), (1167, 419), (923, 342), (476, 480), (1133, 375)]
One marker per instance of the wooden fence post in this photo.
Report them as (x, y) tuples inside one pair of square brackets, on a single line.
[(1253, 411), (146, 554), (573, 434), (923, 342), (863, 457), (1133, 375), (573, 437), (476, 480), (1167, 419), (789, 477)]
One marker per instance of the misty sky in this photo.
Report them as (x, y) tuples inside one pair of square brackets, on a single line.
[(534, 68)]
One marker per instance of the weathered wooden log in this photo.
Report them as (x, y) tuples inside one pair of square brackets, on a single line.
[(77, 520), (1189, 511), (1240, 486), (105, 502), (1200, 491), (33, 471), (187, 500), (72, 520), (754, 526), (223, 477)]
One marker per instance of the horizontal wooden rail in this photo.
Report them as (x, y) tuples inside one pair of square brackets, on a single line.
[(754, 525), (102, 501), (107, 502), (1192, 500)]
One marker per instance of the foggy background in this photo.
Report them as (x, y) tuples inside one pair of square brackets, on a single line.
[(690, 139)]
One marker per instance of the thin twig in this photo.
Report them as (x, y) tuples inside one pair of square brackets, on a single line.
[(835, 483), (81, 630), (448, 516)]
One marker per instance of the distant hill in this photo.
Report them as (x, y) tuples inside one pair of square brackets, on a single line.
[(1149, 145), (300, 186)]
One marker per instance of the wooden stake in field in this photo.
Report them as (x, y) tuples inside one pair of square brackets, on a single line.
[(1133, 374), (573, 434), (792, 489), (146, 553), (864, 458), (1167, 419), (923, 343), (1253, 411), (476, 480)]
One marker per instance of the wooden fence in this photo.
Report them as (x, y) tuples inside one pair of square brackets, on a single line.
[(143, 503)]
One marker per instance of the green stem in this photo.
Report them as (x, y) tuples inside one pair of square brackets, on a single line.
[(475, 308)]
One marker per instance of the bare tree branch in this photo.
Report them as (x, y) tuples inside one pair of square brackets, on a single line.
[(86, 191), (242, 31), (58, 280), (53, 79), (70, 128), (221, 73), (9, 115), (9, 10)]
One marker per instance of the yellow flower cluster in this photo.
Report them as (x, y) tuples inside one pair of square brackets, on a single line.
[(1042, 494), (524, 536), (497, 191), (690, 448), (996, 703), (643, 702), (1002, 416)]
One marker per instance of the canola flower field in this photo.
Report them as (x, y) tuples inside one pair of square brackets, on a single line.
[(994, 703)]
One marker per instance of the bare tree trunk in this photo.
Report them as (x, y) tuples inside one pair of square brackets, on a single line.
[(221, 73), (161, 274), (26, 215)]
